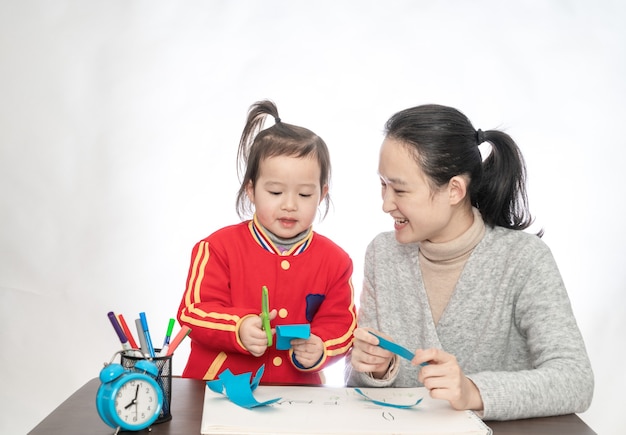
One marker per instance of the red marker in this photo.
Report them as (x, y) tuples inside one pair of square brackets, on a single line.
[(129, 335)]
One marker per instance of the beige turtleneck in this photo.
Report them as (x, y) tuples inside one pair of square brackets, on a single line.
[(441, 264)]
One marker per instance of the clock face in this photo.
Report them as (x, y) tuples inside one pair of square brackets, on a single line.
[(136, 402)]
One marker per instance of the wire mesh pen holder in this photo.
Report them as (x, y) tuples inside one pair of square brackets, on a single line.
[(164, 378)]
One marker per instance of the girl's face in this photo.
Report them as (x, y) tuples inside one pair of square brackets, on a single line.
[(286, 194), (419, 212)]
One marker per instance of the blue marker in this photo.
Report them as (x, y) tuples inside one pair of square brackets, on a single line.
[(146, 333)]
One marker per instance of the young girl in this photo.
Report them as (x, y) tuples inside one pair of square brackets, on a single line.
[(481, 302), (286, 172)]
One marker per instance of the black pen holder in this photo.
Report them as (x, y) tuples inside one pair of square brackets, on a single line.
[(164, 378)]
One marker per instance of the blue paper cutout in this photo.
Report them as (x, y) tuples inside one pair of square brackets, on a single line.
[(396, 348), (286, 333), (393, 405), (257, 378), (238, 388)]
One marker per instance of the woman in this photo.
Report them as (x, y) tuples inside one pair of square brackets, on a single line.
[(480, 301)]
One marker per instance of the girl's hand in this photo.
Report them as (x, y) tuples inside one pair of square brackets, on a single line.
[(444, 379), (367, 356), (308, 352), (252, 335)]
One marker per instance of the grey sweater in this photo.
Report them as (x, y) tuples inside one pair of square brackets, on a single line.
[(509, 323)]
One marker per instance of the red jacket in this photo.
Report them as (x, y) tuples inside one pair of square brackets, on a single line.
[(311, 283)]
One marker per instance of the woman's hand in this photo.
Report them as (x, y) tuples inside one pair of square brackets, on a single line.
[(445, 380), (367, 356), (252, 334), (308, 352)]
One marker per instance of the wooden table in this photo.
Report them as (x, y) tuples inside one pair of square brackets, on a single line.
[(78, 416)]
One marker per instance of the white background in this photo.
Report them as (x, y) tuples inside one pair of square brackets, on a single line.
[(119, 123)]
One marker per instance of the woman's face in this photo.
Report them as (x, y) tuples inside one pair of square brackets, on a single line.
[(419, 213)]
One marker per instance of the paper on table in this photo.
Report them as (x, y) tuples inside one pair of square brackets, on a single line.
[(332, 410)]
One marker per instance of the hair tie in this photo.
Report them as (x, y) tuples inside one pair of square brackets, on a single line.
[(276, 119), (480, 136)]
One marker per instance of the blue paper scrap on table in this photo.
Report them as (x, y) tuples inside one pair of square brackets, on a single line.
[(239, 388), (393, 405)]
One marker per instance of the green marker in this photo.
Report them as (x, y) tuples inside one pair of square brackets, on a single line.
[(168, 335)]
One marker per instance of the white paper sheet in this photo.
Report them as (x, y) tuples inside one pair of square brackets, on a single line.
[(331, 410)]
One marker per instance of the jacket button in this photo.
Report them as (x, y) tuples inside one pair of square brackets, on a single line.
[(282, 313), (278, 361), (285, 265)]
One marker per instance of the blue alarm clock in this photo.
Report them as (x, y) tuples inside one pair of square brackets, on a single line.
[(130, 399)]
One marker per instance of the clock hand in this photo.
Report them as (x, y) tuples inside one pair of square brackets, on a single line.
[(136, 407), (134, 401)]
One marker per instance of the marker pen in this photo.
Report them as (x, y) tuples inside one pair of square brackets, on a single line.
[(126, 329), (120, 333), (146, 333), (179, 337), (142, 338)]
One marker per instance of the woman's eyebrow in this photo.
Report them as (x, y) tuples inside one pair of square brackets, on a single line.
[(392, 180)]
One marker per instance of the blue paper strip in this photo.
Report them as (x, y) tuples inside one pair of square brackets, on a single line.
[(393, 405), (396, 348)]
